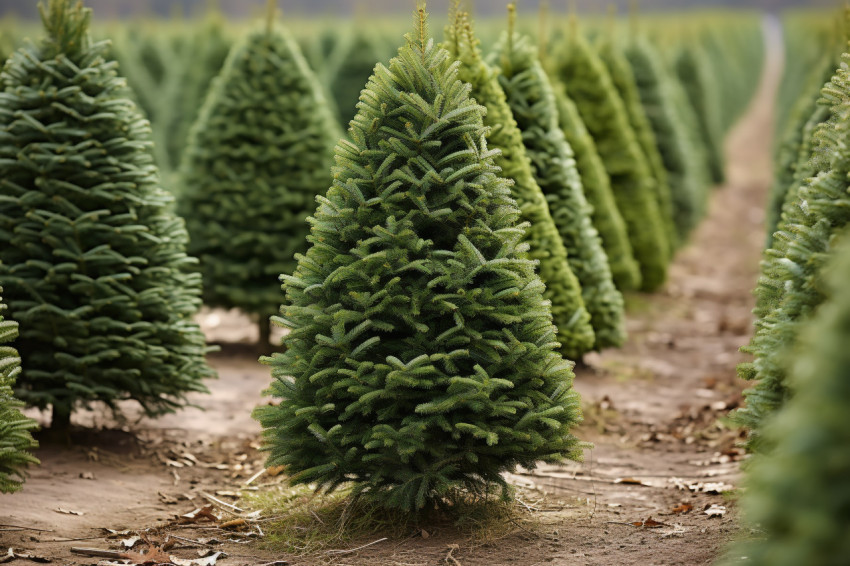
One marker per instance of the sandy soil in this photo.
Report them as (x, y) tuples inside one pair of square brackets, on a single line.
[(652, 412)]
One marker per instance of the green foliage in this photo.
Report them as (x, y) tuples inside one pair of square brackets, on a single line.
[(545, 244), (589, 85), (790, 287), (682, 161), (259, 154), (94, 262), (532, 100), (624, 80), (798, 495), (597, 188), (15, 437), (421, 360), (362, 50)]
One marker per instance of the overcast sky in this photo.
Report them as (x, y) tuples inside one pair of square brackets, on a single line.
[(113, 8)]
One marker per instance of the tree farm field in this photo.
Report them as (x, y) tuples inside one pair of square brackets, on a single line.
[(658, 486)]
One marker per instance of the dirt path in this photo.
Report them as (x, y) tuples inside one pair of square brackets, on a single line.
[(651, 411)]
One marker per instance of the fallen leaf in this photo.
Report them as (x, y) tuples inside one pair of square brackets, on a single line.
[(201, 514), (130, 542), (68, 511), (167, 499), (114, 533), (87, 475), (204, 561), (630, 481), (715, 510), (233, 524), (649, 523), (12, 555), (274, 471), (425, 534), (683, 508), (154, 555)]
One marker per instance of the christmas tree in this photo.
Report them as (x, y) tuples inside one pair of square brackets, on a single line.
[(421, 361), (790, 288), (545, 244), (532, 100), (259, 154), (587, 81), (597, 188), (15, 437), (361, 52), (798, 495), (88, 242), (611, 54)]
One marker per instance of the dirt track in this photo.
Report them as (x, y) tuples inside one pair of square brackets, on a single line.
[(651, 412)]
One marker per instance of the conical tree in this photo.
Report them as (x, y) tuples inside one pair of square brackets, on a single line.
[(532, 101), (597, 188), (590, 87), (789, 288), (798, 495), (623, 78), (422, 358), (15, 437), (259, 155), (93, 259), (543, 238)]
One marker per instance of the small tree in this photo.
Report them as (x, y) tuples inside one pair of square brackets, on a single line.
[(15, 437), (422, 358), (597, 188), (93, 259), (532, 100), (259, 154), (590, 87), (544, 240)]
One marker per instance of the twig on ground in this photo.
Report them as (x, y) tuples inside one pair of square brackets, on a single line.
[(100, 553), (218, 501), (452, 548), (22, 528), (349, 551)]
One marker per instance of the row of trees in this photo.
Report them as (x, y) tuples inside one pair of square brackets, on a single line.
[(463, 254)]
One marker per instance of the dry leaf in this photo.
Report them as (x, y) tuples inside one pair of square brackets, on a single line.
[(274, 471), (154, 555), (649, 523), (683, 508), (201, 514), (425, 534), (67, 511), (12, 555), (715, 510), (87, 475), (234, 523), (204, 561), (130, 542), (167, 499), (630, 481)]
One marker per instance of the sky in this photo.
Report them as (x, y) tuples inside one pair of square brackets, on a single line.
[(248, 8)]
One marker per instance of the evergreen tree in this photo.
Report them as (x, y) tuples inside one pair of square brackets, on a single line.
[(15, 437), (798, 495), (361, 53), (681, 160), (543, 238), (590, 87), (624, 81), (422, 358), (789, 288), (259, 155), (87, 240), (597, 188), (532, 100)]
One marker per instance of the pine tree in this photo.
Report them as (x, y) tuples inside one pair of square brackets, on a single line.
[(597, 188), (15, 437), (790, 288), (798, 495), (532, 101), (259, 155), (422, 358), (590, 87), (545, 244), (623, 78), (362, 52), (94, 261)]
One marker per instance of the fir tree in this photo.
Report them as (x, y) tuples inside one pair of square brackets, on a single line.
[(361, 53), (15, 437), (545, 244), (597, 188), (259, 155), (789, 288), (798, 495), (422, 358), (532, 100), (624, 81), (87, 240), (590, 87)]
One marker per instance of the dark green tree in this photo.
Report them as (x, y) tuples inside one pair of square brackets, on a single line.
[(597, 188), (361, 50), (421, 359), (532, 101), (790, 287), (612, 55), (93, 259), (590, 87), (258, 156), (798, 495), (15, 429), (543, 238)]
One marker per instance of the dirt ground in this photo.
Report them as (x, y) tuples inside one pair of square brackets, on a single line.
[(661, 458)]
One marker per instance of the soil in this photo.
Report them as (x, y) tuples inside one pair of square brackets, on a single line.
[(662, 455)]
